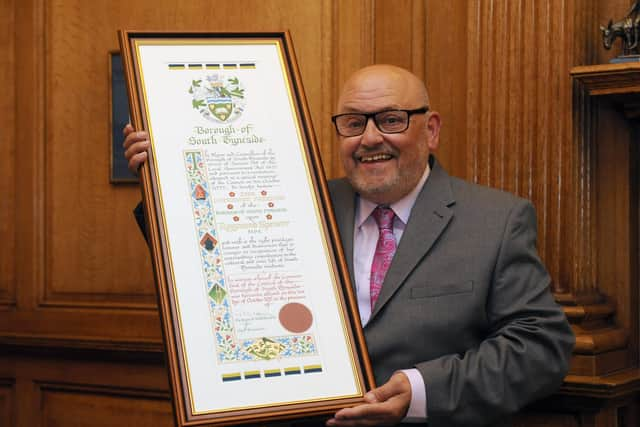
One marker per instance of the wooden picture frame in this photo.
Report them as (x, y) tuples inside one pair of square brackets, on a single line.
[(259, 316)]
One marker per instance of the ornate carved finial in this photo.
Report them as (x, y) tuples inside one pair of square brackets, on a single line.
[(628, 29)]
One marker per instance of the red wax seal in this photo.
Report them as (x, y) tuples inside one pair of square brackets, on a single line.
[(236, 218), (232, 194), (229, 206), (295, 317)]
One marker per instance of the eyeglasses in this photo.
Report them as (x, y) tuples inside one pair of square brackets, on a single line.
[(388, 121)]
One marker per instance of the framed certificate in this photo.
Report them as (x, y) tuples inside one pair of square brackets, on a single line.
[(259, 318)]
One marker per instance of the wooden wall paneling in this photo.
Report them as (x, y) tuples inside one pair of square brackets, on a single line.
[(400, 34), (31, 323), (573, 240), (540, 419), (83, 389), (617, 219), (352, 47), (70, 406), (7, 154), (7, 400), (603, 301), (29, 149), (447, 53), (519, 105), (628, 316), (319, 87)]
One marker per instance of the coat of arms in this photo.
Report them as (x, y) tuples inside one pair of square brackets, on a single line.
[(219, 97)]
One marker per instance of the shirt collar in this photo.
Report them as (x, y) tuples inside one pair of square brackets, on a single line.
[(402, 208)]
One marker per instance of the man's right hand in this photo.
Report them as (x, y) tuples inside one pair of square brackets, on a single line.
[(135, 147)]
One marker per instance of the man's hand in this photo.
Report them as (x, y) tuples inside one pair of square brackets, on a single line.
[(385, 406), (135, 147)]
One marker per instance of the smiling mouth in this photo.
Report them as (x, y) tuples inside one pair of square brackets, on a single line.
[(375, 158)]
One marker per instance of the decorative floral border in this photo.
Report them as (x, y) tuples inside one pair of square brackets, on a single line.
[(229, 348)]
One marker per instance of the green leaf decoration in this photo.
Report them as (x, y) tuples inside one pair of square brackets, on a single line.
[(197, 103), (217, 294), (238, 93), (196, 83), (225, 92), (234, 81)]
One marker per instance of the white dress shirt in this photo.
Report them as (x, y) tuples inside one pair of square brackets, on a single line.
[(365, 240)]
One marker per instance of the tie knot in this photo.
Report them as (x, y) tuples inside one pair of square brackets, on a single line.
[(384, 217)]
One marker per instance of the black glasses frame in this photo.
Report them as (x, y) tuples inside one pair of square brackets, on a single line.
[(367, 116)]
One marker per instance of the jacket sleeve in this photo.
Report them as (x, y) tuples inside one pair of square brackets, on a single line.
[(526, 353), (138, 213)]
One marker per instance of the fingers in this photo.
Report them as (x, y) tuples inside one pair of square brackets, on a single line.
[(390, 412), (397, 384), (136, 145), (127, 129), (385, 405), (362, 415), (136, 161), (131, 136)]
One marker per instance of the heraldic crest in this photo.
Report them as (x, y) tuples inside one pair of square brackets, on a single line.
[(219, 97)]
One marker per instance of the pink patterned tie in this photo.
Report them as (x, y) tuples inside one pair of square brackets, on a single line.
[(385, 249)]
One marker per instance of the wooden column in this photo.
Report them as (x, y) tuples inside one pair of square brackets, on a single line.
[(603, 344)]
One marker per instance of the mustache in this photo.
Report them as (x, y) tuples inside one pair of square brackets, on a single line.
[(367, 151)]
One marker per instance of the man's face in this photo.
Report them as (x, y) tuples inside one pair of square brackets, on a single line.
[(384, 167)]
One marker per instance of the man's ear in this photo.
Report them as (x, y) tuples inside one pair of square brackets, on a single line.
[(433, 130)]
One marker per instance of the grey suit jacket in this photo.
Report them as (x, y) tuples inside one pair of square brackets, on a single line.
[(466, 301)]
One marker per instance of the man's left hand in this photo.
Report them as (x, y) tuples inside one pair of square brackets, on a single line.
[(386, 405)]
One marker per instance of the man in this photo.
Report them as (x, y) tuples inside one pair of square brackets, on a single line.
[(459, 321)]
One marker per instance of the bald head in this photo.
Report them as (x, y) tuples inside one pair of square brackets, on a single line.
[(384, 165), (382, 80)]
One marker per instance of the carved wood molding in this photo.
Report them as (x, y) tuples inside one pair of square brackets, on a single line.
[(620, 83), (604, 387), (62, 346), (598, 402), (106, 390), (602, 346)]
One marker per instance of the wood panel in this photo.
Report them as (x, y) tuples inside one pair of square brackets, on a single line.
[(531, 419), (73, 407), (29, 114), (31, 212), (7, 153), (399, 34), (71, 388), (6, 401), (617, 189), (447, 56), (519, 116), (607, 222)]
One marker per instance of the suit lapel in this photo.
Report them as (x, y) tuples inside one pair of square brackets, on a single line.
[(429, 217), (343, 198)]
